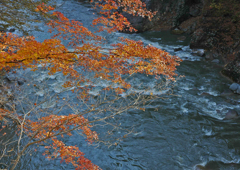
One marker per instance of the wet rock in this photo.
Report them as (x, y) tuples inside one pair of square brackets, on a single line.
[(210, 55), (215, 61), (234, 86), (199, 167), (177, 31), (198, 52), (11, 30), (231, 114), (177, 49), (238, 90), (12, 78)]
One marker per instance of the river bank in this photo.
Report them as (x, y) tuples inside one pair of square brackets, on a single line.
[(213, 26)]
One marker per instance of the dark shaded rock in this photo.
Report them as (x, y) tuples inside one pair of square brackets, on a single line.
[(232, 70), (238, 90), (20, 82), (195, 10), (231, 114), (189, 26), (171, 13), (11, 30), (209, 55), (199, 167), (177, 49), (137, 22), (201, 39), (140, 23), (234, 86)]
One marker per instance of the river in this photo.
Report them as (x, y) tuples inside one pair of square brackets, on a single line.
[(176, 133)]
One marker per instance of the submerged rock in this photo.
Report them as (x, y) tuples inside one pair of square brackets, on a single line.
[(177, 31), (182, 38), (226, 92), (231, 114), (215, 61), (234, 86), (177, 49)]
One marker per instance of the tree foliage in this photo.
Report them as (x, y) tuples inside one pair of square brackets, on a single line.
[(124, 59)]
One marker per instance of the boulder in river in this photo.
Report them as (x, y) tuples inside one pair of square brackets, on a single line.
[(177, 49), (238, 90), (231, 114), (177, 31), (198, 52), (11, 30), (234, 86)]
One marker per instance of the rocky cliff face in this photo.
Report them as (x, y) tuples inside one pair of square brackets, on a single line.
[(171, 13), (214, 25)]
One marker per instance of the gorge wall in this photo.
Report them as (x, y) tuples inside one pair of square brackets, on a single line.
[(214, 25)]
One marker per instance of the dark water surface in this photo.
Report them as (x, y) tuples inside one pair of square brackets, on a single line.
[(173, 134)]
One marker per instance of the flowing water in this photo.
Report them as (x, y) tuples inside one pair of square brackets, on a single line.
[(176, 133)]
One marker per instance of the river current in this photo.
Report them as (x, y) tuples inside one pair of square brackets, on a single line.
[(174, 134)]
